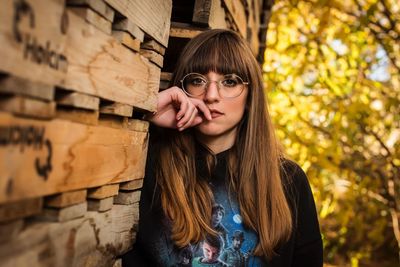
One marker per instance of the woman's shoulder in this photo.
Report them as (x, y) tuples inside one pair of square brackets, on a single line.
[(293, 177)]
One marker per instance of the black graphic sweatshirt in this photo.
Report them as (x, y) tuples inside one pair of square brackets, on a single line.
[(235, 244)]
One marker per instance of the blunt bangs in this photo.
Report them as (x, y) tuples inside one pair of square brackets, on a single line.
[(222, 53)]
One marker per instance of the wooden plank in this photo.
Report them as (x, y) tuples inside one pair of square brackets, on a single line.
[(97, 5), (138, 125), (101, 66), (93, 240), (153, 57), (64, 214), (238, 13), (32, 37), (10, 230), (164, 85), (165, 80), (28, 107), (253, 25), (78, 100), (127, 198), (126, 25), (131, 185), (101, 204), (117, 263), (152, 16), (127, 40), (60, 156), (20, 209), (153, 45), (104, 191), (81, 57), (65, 199), (90, 117), (114, 121), (166, 76), (93, 18), (209, 13), (153, 84), (16, 85), (182, 30), (116, 109)]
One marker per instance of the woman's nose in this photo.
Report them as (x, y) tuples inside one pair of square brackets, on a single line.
[(212, 91)]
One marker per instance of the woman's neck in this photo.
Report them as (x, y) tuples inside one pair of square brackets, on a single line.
[(220, 143)]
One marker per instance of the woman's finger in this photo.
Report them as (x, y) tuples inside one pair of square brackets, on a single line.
[(187, 115), (193, 115), (202, 107)]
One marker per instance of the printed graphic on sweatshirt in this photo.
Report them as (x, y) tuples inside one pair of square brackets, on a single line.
[(234, 246)]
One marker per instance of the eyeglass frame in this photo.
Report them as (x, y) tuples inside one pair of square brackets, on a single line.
[(209, 81)]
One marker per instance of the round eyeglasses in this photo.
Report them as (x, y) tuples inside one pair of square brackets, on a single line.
[(229, 86)]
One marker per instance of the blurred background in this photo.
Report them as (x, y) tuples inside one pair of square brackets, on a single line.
[(332, 71)]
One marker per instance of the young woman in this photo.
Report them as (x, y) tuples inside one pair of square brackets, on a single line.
[(213, 145)]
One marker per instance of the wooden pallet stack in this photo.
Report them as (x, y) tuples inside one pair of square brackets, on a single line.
[(75, 77), (190, 18)]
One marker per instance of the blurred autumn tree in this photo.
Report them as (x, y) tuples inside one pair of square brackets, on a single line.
[(332, 69)]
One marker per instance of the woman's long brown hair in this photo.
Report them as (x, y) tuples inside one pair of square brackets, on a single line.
[(186, 199)]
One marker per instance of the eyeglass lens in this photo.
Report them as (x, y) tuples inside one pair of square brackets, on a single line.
[(231, 85)]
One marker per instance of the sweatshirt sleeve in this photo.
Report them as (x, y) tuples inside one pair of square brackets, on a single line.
[(308, 249)]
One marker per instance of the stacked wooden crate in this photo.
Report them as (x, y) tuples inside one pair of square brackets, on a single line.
[(75, 77), (191, 17)]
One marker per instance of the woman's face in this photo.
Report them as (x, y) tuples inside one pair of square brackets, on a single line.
[(226, 112)]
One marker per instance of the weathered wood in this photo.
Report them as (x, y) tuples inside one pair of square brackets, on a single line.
[(93, 240), (32, 38), (90, 117), (127, 198), (20, 209), (78, 100), (101, 204), (28, 107), (117, 263), (97, 5), (138, 125), (128, 26), (164, 85), (165, 80), (238, 13), (104, 191), (114, 121), (117, 109), (153, 57), (60, 156), (16, 85), (209, 13), (10, 230), (101, 66), (153, 45), (62, 49), (93, 18), (64, 214), (127, 40), (166, 76), (253, 25), (152, 16), (182, 30), (131, 185), (65, 199)]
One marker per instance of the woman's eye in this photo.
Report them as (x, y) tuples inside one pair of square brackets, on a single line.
[(197, 81), (230, 82)]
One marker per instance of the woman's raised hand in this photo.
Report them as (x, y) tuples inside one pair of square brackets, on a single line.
[(176, 110)]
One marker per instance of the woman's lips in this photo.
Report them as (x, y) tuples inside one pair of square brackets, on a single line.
[(215, 114)]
